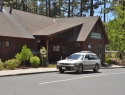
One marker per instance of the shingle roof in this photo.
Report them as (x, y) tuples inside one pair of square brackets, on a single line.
[(89, 23), (57, 27), (65, 23), (22, 24), (27, 25)]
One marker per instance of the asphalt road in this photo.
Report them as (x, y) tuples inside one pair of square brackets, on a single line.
[(106, 82)]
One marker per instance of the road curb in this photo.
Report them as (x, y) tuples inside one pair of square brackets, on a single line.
[(111, 67), (28, 73)]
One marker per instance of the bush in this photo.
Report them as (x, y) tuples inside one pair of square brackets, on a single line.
[(44, 58), (35, 61), (107, 59), (51, 65), (11, 64), (1, 65), (18, 57), (24, 55)]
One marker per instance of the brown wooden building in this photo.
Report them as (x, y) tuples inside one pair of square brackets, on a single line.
[(60, 36)]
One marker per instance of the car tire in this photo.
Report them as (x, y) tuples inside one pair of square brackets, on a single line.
[(61, 70), (80, 69), (95, 70)]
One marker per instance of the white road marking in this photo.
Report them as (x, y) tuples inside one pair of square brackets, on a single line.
[(81, 78)]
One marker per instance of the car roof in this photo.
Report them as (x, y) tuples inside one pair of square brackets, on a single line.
[(85, 52)]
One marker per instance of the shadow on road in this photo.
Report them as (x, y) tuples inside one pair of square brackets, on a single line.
[(73, 72)]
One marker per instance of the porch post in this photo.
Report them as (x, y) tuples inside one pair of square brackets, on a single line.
[(47, 46)]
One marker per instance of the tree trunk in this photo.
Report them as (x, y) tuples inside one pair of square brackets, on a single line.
[(91, 8), (122, 58), (81, 8), (59, 8), (16, 4), (69, 9), (23, 64), (49, 12), (104, 9), (46, 8), (24, 5)]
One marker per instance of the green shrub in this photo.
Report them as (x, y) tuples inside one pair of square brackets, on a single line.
[(1, 65), (18, 57), (51, 65), (45, 61), (11, 64), (24, 55), (107, 59), (35, 61), (44, 58)]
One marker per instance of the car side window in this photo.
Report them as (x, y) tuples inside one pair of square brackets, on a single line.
[(90, 57), (86, 56), (95, 57)]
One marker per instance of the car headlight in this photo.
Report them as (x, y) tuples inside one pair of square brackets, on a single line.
[(58, 63)]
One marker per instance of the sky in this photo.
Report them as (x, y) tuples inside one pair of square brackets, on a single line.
[(108, 16)]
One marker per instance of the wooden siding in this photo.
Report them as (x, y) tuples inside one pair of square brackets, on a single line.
[(15, 46)]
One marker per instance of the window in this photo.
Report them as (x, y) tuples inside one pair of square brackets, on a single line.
[(90, 57), (0, 43), (76, 56), (64, 49), (86, 56), (89, 47), (95, 57), (7, 43)]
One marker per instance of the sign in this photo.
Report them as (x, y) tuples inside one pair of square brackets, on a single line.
[(95, 35)]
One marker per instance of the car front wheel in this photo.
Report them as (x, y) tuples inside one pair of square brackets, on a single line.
[(80, 69), (61, 70), (96, 68)]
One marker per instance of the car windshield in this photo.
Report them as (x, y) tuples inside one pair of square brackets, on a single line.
[(76, 56)]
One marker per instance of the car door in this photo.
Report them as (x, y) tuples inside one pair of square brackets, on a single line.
[(96, 60), (91, 61), (87, 62)]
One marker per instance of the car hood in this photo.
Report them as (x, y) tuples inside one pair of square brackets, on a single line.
[(68, 61)]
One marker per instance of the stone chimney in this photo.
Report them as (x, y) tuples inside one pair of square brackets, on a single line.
[(11, 4), (1, 5)]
